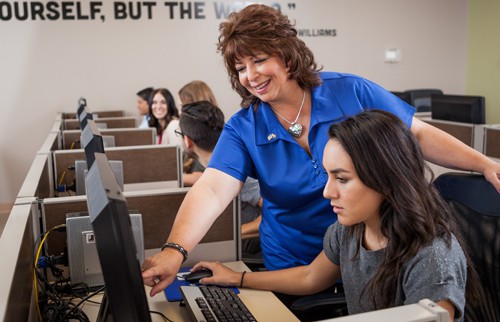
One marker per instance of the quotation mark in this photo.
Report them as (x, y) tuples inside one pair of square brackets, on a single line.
[(291, 6)]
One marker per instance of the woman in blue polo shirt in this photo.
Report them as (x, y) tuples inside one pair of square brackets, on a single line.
[(278, 138)]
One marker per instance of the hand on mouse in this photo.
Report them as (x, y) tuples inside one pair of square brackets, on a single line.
[(221, 275)]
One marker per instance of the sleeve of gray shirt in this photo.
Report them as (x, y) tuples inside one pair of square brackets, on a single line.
[(437, 273), (250, 192)]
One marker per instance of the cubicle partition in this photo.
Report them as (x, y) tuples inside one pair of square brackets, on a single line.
[(492, 141), (470, 134), (16, 246), (109, 113), (142, 164), (158, 209), (462, 131), (111, 122), (39, 181), (51, 143), (122, 137)]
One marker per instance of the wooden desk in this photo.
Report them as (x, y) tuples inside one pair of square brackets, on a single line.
[(264, 305)]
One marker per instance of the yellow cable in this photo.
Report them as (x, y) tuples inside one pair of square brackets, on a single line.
[(62, 177), (35, 284)]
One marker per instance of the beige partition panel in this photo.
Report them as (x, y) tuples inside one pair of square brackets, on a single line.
[(111, 122), (116, 113), (51, 143), (54, 212), (158, 209), (16, 247), (123, 137), (492, 141), (462, 131), (39, 180), (141, 164)]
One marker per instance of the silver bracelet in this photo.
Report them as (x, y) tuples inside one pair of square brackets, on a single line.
[(181, 249)]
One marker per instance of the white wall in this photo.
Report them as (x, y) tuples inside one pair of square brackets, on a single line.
[(45, 66)]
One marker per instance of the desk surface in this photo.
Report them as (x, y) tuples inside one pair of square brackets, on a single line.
[(264, 305)]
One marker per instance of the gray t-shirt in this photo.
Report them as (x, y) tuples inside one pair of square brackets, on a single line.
[(249, 196), (436, 272)]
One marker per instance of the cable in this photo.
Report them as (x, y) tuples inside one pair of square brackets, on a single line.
[(73, 144), (62, 178), (164, 317), (43, 237), (68, 314)]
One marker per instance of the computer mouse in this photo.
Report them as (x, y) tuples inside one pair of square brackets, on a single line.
[(194, 277)]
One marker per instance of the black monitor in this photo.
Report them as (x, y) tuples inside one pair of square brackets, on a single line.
[(458, 108), (82, 104), (91, 141), (84, 117), (125, 295)]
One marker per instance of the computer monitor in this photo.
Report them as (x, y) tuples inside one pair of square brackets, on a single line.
[(84, 117), (82, 104), (91, 141), (81, 171), (109, 215), (458, 108)]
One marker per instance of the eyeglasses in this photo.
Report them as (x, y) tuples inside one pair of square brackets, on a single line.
[(179, 133)]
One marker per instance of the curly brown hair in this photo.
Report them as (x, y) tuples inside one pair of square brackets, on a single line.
[(260, 28)]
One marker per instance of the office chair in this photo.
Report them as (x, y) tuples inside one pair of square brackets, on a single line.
[(421, 98), (476, 205)]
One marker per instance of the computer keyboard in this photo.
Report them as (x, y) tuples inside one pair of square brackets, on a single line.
[(214, 303)]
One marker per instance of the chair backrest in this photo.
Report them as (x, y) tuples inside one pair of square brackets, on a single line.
[(476, 205)]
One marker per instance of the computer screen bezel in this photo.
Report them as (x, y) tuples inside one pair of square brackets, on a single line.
[(458, 108), (91, 141), (115, 244), (84, 117)]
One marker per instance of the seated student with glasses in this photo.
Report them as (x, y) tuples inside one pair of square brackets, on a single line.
[(200, 126), (394, 242), (194, 91)]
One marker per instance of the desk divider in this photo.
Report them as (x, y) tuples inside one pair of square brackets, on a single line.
[(158, 209), (123, 137), (39, 181), (16, 246), (51, 143), (110, 113), (111, 122), (492, 141), (141, 164), (462, 131)]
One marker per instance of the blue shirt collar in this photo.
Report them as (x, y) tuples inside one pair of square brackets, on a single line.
[(325, 108)]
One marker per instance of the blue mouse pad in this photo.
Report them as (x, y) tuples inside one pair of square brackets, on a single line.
[(172, 291)]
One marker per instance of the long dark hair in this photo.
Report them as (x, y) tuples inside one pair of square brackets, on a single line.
[(260, 28), (387, 159), (172, 111)]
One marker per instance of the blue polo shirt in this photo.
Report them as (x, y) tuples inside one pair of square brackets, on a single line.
[(295, 215)]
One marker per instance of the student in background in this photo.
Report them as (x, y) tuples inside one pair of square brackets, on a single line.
[(200, 126), (164, 116), (143, 106), (279, 137), (393, 243), (194, 91)]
